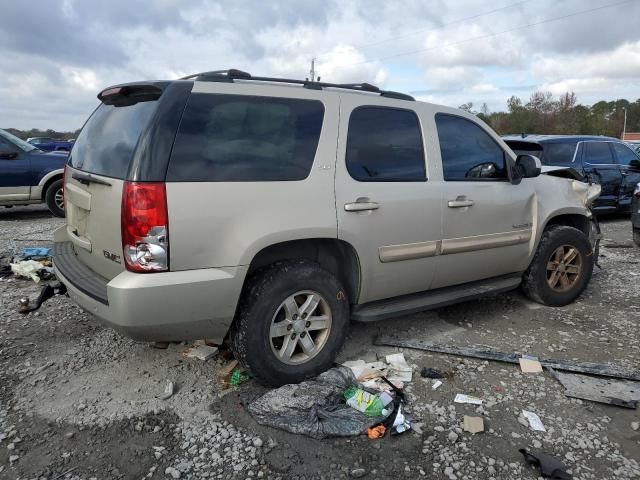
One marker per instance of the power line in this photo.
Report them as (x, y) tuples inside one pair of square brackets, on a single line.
[(489, 35), (435, 29)]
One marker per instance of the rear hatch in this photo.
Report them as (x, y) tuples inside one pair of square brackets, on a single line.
[(98, 168), (550, 153)]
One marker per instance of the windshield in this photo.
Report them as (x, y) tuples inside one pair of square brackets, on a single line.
[(27, 147)]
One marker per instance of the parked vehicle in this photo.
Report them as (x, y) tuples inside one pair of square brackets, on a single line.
[(215, 206), (635, 215), (607, 161), (48, 144), (29, 175)]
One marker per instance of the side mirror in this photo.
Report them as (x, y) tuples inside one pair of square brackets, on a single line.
[(530, 166), (8, 155)]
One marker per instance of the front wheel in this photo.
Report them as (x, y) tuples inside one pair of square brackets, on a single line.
[(54, 198), (561, 267), (291, 323)]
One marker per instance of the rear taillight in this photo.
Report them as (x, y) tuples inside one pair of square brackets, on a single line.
[(145, 227)]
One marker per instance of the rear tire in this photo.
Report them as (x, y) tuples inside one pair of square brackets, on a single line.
[(636, 237), (561, 268), (292, 321), (54, 199)]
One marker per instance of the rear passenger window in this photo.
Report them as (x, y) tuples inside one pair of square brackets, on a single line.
[(240, 138), (385, 145), (624, 154), (597, 153), (468, 152)]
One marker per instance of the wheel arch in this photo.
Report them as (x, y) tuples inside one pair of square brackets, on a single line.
[(336, 256), (48, 179), (576, 220)]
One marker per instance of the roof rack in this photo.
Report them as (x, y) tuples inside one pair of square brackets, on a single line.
[(228, 76)]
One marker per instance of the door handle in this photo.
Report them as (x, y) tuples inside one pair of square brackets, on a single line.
[(361, 206), (460, 202)]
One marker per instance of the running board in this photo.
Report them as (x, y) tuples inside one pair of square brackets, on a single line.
[(441, 297)]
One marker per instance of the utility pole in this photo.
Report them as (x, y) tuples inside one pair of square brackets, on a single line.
[(624, 125), (312, 72)]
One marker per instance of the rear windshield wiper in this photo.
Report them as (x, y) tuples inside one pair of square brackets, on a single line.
[(86, 179)]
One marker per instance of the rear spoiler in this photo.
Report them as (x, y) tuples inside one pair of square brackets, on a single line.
[(125, 95)]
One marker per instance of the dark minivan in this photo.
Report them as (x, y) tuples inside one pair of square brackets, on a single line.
[(604, 160)]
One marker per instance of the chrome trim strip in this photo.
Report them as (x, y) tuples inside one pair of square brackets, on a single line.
[(483, 242), (408, 251)]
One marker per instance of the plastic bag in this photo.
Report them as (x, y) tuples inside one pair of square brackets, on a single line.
[(315, 408)]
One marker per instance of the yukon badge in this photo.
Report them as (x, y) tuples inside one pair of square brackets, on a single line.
[(111, 256)]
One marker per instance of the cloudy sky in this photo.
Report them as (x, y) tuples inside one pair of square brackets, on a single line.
[(56, 55)]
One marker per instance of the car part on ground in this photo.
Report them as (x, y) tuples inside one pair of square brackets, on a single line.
[(591, 368)]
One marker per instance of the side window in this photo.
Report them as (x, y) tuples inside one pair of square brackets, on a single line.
[(6, 147), (385, 145), (597, 153), (625, 155), (242, 138), (468, 152)]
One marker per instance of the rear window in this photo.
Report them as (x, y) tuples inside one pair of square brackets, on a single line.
[(108, 140), (548, 153), (241, 138)]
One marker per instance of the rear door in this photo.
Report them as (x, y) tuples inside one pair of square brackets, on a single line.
[(629, 164), (97, 170), (598, 162), (387, 207)]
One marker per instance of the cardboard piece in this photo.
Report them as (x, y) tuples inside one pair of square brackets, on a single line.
[(473, 424), (530, 364)]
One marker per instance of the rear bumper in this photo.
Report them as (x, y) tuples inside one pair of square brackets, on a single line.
[(154, 307)]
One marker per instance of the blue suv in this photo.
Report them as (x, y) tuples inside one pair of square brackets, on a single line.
[(29, 175), (604, 160)]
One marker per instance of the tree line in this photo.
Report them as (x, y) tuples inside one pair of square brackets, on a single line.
[(35, 132), (545, 114)]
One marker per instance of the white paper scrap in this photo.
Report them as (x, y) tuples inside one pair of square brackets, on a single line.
[(399, 369), (534, 421), (462, 398), (436, 384)]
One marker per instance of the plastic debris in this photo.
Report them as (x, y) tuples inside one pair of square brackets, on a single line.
[(168, 391), (534, 421), (315, 407), (473, 424), (400, 423), (201, 352), (370, 374), (372, 405), (548, 465), (436, 384), (530, 364), (28, 269), (376, 432), (238, 377), (462, 398), (39, 252)]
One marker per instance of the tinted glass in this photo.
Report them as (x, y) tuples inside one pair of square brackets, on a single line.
[(385, 145), (468, 152), (597, 153), (108, 140), (624, 154), (240, 138), (525, 148), (558, 153), (12, 139)]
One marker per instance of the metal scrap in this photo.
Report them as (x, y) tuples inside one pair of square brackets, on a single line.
[(621, 393), (591, 368)]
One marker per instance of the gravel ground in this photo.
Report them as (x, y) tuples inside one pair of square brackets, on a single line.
[(79, 401)]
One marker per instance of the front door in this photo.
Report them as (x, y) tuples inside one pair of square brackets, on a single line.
[(15, 178), (387, 207), (487, 221)]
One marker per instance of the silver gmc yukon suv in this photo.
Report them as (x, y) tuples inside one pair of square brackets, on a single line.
[(271, 212)]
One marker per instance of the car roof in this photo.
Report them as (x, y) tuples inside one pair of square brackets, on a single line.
[(558, 138)]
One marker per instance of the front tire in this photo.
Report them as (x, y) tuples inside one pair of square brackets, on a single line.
[(561, 267), (292, 321), (54, 198)]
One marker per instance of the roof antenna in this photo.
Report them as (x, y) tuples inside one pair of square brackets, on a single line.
[(312, 72)]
